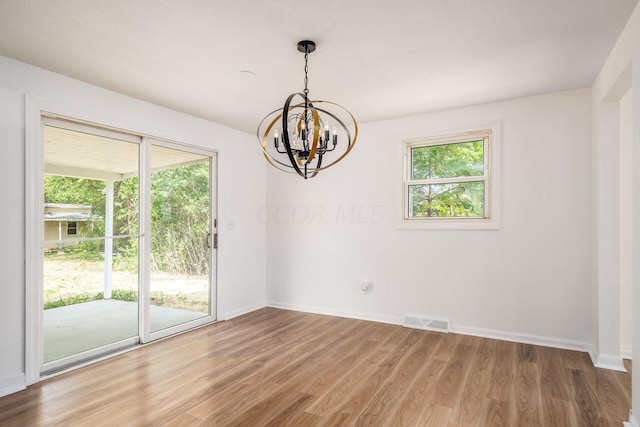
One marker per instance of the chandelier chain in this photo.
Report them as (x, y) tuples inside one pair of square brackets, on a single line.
[(306, 71)]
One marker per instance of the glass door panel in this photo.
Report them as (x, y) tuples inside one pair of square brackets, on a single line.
[(180, 291), (90, 246)]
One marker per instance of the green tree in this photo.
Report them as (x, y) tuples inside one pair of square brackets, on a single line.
[(447, 161), (180, 219)]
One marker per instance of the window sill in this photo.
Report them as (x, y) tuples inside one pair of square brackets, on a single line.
[(448, 224)]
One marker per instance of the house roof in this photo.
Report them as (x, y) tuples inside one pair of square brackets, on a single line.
[(70, 216), (66, 206), (70, 212)]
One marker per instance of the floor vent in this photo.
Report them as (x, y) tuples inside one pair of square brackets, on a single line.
[(426, 324)]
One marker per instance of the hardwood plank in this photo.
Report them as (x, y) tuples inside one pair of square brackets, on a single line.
[(471, 401), (348, 411), (452, 379), (498, 414), (558, 412), (435, 416), (273, 410), (304, 419), (585, 400), (446, 346), (278, 367), (385, 403), (608, 392), (404, 376), (337, 394), (527, 402), (420, 395), (552, 374), (502, 378)]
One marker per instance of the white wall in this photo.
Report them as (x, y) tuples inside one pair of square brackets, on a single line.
[(529, 281), (241, 191), (620, 73)]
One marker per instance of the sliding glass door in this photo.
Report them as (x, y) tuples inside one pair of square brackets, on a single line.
[(127, 247)]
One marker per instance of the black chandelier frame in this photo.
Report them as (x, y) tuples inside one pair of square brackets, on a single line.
[(306, 153)]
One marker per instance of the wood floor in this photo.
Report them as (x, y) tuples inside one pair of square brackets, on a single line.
[(275, 367)]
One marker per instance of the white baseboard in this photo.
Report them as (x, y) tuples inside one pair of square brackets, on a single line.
[(12, 383), (607, 361), (244, 310), (626, 352), (338, 313), (459, 329), (632, 420), (521, 338)]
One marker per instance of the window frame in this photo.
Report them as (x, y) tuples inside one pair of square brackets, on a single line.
[(492, 177), (74, 228)]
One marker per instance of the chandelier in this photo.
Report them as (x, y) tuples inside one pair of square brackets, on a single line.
[(306, 136)]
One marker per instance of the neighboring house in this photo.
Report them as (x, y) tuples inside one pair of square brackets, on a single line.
[(63, 221)]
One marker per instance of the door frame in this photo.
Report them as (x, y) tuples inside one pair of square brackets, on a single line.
[(35, 110)]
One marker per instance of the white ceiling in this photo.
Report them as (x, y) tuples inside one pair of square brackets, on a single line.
[(379, 58)]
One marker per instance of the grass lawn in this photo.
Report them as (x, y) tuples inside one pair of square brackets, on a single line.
[(72, 279)]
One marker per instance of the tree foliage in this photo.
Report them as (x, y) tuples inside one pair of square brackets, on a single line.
[(447, 161), (179, 216), (180, 219)]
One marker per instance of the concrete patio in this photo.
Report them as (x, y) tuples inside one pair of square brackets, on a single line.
[(79, 327)]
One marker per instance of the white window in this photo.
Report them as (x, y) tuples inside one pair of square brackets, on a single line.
[(448, 181)]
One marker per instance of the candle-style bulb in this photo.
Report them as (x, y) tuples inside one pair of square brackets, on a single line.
[(326, 133), (335, 136), (275, 139)]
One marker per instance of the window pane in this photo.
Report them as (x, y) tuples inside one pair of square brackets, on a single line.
[(464, 199), (448, 160)]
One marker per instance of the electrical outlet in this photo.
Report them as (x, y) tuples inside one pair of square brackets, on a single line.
[(365, 286)]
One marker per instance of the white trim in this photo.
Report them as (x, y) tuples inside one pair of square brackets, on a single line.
[(244, 310), (87, 356), (180, 328), (34, 169), (494, 197), (626, 352), (632, 420), (593, 356), (609, 361), (521, 338), (12, 384), (144, 245), (213, 231)]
